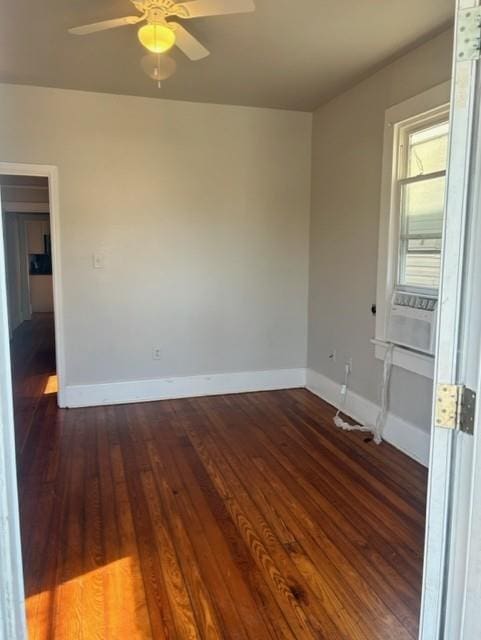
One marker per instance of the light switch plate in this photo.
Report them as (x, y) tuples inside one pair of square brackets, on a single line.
[(98, 261)]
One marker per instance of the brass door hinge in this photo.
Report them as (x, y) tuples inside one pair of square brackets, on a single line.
[(469, 34), (455, 407)]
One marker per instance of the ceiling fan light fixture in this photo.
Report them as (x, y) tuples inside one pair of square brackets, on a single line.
[(156, 38), (158, 67)]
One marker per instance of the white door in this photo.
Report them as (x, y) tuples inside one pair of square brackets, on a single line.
[(451, 607)]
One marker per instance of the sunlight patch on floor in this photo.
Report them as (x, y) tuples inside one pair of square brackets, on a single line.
[(51, 386), (103, 603)]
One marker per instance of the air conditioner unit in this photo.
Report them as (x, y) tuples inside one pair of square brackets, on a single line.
[(412, 321)]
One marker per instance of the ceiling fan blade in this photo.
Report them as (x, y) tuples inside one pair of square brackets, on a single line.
[(186, 42), (105, 24), (201, 8)]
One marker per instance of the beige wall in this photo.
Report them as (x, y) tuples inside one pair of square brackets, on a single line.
[(202, 215), (346, 187)]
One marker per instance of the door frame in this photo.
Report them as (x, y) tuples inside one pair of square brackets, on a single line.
[(50, 172), (12, 596), (452, 551), (12, 608)]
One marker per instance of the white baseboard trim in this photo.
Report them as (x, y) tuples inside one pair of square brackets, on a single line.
[(92, 395), (409, 438)]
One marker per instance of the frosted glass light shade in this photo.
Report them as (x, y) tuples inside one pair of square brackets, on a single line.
[(157, 38), (158, 67)]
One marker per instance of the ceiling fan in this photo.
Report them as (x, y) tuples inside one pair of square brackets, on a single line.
[(159, 34)]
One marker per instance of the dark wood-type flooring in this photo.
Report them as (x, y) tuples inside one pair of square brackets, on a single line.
[(243, 516)]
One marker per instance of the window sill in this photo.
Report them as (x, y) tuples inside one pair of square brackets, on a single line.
[(419, 363)]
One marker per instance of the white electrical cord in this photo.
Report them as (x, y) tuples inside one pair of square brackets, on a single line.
[(377, 429)]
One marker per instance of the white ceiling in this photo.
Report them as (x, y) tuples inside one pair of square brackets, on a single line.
[(291, 54)]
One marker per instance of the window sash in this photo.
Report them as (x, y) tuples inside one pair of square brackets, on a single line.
[(403, 235), (421, 178), (405, 131)]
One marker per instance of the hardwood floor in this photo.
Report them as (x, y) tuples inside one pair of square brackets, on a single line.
[(245, 516), (33, 366)]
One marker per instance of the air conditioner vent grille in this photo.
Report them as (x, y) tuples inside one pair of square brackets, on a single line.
[(424, 303)]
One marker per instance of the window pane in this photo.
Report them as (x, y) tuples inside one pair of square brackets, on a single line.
[(423, 207), (428, 150), (421, 270)]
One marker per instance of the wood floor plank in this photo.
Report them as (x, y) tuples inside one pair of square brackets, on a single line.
[(398, 496), (157, 601), (70, 583), (47, 528), (127, 611), (204, 609), (280, 532), (414, 475), (236, 610), (245, 517), (177, 593), (341, 488), (308, 552), (381, 501), (251, 591), (301, 608)]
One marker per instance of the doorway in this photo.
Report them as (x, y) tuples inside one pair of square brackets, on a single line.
[(31, 348), (28, 266)]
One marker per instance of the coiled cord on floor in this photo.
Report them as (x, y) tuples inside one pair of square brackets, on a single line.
[(377, 430)]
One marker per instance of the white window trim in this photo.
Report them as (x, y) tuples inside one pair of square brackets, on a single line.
[(437, 97)]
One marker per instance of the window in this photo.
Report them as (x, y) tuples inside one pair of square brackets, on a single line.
[(412, 211), (421, 182)]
